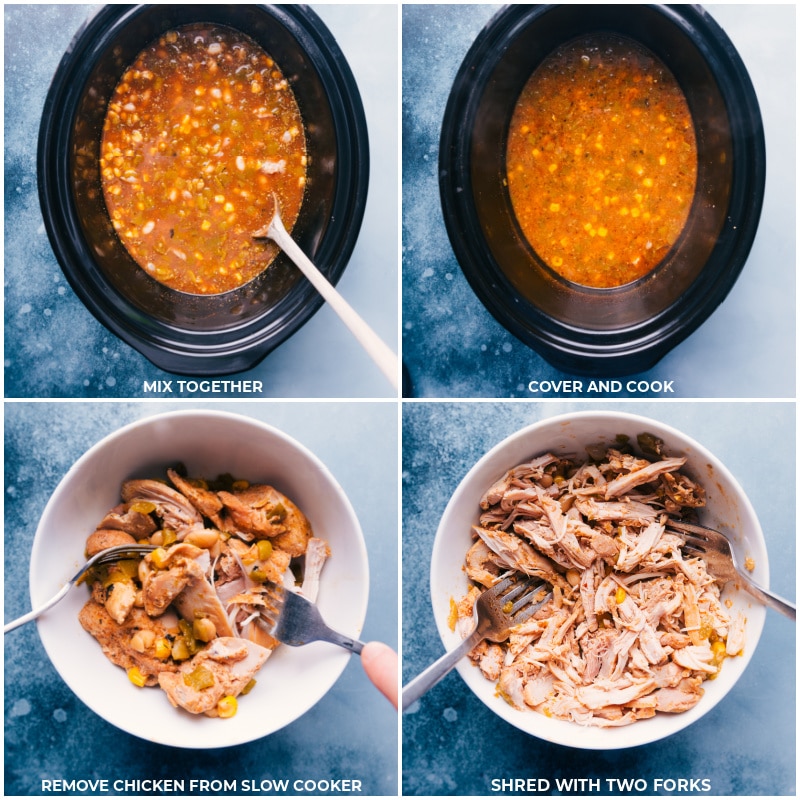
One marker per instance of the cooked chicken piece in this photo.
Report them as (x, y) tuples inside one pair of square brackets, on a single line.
[(161, 587), (482, 565), (538, 688), (204, 500), (523, 500), (675, 640), (199, 600), (174, 510), (628, 718), (317, 553), (103, 539), (182, 581), (564, 538), (462, 612), (620, 510), (235, 576), (115, 638), (624, 483), (124, 518), (604, 546), (245, 610), (601, 695), (163, 583), (736, 636), (261, 511), (589, 581), (231, 664), (491, 661), (596, 647), (120, 599), (629, 559), (680, 698), (587, 480), (682, 492), (618, 462), (510, 686), (516, 554), (668, 675), (229, 565), (697, 658), (533, 469), (495, 492)]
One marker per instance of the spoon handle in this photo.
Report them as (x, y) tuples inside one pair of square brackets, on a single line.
[(381, 354)]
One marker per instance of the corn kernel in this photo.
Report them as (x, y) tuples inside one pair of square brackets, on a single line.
[(163, 648), (159, 556), (136, 677), (620, 595), (227, 707)]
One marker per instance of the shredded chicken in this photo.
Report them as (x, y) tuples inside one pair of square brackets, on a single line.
[(186, 616), (634, 626)]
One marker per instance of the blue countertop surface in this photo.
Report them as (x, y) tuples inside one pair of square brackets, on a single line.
[(54, 347), (49, 734), (454, 745), (452, 345)]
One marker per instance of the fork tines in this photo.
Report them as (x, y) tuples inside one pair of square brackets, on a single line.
[(120, 552), (528, 592), (692, 535), (274, 600), (520, 599)]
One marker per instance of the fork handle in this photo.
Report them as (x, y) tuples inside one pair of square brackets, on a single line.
[(348, 642), (769, 598), (31, 615), (427, 679)]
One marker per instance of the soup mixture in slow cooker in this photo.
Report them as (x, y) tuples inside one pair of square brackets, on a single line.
[(202, 129), (601, 161)]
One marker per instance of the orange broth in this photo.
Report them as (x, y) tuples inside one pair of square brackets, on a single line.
[(601, 161), (200, 131)]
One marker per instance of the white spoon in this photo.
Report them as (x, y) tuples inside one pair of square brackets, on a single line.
[(370, 341)]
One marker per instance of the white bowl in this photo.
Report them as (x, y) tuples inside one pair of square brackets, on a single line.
[(208, 443), (727, 509)]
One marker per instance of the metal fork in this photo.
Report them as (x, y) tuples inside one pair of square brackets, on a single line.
[(108, 556), (715, 549), (292, 619), (497, 610)]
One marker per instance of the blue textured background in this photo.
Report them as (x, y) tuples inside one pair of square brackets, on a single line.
[(49, 733), (55, 348), (454, 745), (453, 347)]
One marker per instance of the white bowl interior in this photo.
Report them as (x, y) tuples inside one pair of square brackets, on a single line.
[(208, 443), (727, 508)]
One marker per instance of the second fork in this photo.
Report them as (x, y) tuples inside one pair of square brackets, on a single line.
[(497, 610)]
